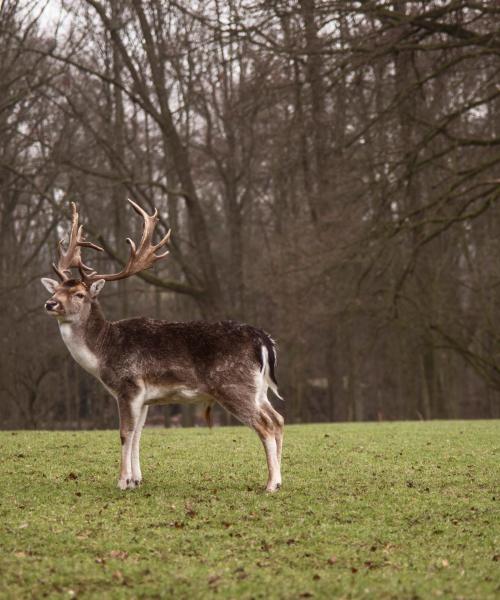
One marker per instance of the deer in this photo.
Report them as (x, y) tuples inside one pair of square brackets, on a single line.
[(143, 361)]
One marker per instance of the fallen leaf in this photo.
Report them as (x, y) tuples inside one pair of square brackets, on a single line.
[(120, 554), (240, 573), (213, 579), (332, 560), (83, 535)]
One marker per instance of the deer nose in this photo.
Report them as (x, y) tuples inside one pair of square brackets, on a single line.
[(51, 304)]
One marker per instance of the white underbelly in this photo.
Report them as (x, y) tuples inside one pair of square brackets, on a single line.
[(175, 394)]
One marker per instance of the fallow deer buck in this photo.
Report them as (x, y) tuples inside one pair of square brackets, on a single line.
[(144, 361)]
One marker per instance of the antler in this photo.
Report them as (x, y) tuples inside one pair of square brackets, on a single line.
[(140, 258), (71, 257)]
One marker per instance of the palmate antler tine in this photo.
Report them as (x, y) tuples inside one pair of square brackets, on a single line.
[(161, 243), (71, 256), (138, 209), (61, 274), (147, 237), (150, 222), (66, 257), (84, 244)]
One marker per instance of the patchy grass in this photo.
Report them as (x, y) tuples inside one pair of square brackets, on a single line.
[(395, 510)]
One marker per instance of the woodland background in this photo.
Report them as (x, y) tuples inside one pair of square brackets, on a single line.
[(330, 171)]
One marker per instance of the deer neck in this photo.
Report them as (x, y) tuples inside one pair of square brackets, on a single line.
[(85, 337)]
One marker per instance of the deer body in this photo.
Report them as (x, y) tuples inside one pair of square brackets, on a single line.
[(145, 361)]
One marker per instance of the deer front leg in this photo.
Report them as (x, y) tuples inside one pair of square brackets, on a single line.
[(136, 465), (129, 407)]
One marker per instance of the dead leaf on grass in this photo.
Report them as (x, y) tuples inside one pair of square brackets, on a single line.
[(214, 579), (120, 554), (83, 535), (240, 573)]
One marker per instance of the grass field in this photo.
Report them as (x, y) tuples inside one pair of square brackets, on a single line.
[(396, 510)]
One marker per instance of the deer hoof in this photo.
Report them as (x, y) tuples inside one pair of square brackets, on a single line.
[(273, 487)]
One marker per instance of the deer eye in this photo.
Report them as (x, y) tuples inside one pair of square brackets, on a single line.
[(80, 295)]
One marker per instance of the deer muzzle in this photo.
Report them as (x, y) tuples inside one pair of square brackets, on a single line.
[(51, 305)]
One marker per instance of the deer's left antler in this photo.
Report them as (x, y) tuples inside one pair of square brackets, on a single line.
[(140, 258)]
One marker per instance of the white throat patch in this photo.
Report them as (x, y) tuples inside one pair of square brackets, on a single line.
[(79, 350)]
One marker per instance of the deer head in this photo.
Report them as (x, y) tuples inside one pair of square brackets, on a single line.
[(71, 298)]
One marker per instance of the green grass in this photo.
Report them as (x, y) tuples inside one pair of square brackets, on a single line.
[(396, 510)]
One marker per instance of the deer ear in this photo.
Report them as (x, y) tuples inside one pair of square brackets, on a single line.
[(96, 287), (49, 284)]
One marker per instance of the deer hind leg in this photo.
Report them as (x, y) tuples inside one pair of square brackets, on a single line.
[(256, 411), (136, 442), (130, 403), (279, 423), (269, 427)]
